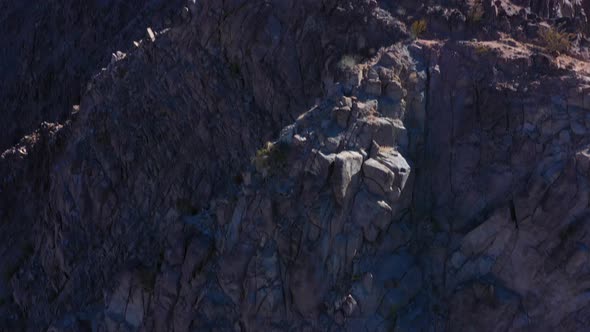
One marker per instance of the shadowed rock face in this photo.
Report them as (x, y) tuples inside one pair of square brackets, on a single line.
[(429, 184), (50, 49)]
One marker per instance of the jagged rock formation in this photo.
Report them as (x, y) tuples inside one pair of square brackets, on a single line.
[(412, 184)]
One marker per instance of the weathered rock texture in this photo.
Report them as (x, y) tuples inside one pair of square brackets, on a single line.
[(412, 184)]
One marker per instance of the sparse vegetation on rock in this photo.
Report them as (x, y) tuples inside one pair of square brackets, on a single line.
[(347, 62), (271, 158), (476, 11), (481, 49), (555, 40), (418, 28)]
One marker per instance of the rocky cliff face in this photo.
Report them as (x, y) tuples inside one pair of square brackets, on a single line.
[(413, 179)]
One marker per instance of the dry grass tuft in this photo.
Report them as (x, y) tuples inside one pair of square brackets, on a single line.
[(418, 28), (476, 11), (556, 41)]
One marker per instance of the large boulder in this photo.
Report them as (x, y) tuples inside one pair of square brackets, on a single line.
[(346, 177)]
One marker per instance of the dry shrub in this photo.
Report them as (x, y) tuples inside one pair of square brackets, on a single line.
[(418, 28), (271, 159), (556, 41), (482, 49), (348, 62), (476, 11)]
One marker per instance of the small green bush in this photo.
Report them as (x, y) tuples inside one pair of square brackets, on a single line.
[(271, 158), (476, 11), (482, 49), (418, 28), (348, 62), (555, 40)]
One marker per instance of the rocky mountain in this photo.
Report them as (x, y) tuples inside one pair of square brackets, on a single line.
[(339, 165)]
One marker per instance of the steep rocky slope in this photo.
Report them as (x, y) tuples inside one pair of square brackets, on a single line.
[(50, 49), (437, 183)]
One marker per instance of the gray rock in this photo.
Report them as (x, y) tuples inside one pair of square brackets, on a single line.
[(151, 35), (342, 115), (349, 305), (394, 89), (319, 164), (397, 164), (373, 87), (386, 132), (345, 179), (371, 214), (378, 178)]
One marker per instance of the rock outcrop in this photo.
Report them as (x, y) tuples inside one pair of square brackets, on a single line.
[(411, 180)]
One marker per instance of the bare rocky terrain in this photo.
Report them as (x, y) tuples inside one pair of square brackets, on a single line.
[(289, 165)]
